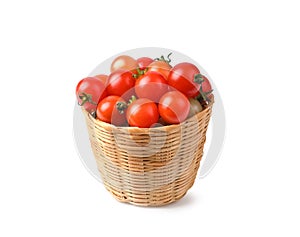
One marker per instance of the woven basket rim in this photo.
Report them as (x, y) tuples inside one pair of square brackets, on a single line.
[(145, 130)]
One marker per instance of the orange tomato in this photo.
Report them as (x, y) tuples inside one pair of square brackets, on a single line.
[(160, 66), (123, 62)]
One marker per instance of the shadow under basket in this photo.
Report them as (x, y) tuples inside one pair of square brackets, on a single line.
[(149, 166)]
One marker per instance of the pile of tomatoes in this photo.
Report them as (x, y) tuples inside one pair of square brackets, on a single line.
[(145, 92)]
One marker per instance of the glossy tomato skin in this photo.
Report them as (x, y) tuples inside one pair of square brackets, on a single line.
[(119, 82), (152, 86), (174, 107), (91, 89), (144, 62), (102, 77), (123, 62), (182, 76), (142, 113), (160, 66), (107, 111)]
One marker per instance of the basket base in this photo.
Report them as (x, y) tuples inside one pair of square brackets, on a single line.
[(156, 198)]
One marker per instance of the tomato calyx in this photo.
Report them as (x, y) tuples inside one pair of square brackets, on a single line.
[(139, 73), (198, 78), (122, 106), (133, 98), (85, 98), (162, 58)]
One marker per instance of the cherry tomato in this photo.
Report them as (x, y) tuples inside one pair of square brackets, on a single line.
[(174, 107), (123, 62), (119, 82), (195, 107), (107, 111), (102, 77), (152, 86), (142, 113), (144, 62), (89, 92), (161, 67), (182, 77)]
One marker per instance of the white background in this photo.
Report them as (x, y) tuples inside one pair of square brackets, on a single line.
[(250, 49)]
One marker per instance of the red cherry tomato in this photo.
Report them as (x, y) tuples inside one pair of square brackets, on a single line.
[(142, 113), (107, 111), (123, 62), (89, 91), (174, 107), (152, 86), (182, 77), (161, 67), (119, 82), (144, 62)]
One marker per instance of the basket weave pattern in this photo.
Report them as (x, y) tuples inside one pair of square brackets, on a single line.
[(149, 166)]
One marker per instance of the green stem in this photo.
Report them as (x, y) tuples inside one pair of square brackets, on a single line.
[(168, 57), (139, 73), (86, 98), (198, 78), (121, 106), (162, 58), (133, 98)]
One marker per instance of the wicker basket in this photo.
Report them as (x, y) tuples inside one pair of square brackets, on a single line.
[(149, 167)]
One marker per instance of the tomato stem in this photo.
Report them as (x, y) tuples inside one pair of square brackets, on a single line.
[(85, 98), (168, 57), (162, 58), (121, 106), (139, 73), (133, 98), (198, 78)]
